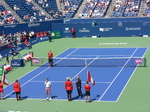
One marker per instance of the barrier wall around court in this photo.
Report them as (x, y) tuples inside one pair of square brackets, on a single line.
[(111, 27), (104, 20), (106, 29)]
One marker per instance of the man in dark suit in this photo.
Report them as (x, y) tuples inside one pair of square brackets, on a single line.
[(78, 85)]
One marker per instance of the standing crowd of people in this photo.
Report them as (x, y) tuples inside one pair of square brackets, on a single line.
[(48, 85), (20, 37), (78, 83)]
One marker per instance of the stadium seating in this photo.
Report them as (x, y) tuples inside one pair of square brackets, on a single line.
[(50, 6), (6, 17), (126, 8), (26, 10), (95, 9), (71, 7)]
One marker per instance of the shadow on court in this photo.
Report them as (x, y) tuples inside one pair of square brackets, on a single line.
[(77, 97), (54, 97), (24, 97), (93, 99)]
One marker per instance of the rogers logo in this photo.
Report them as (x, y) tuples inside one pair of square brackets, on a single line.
[(35, 60), (138, 61)]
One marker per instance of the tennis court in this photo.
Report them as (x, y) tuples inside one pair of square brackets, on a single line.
[(110, 80)]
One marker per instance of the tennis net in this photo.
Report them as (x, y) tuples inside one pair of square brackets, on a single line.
[(91, 62)]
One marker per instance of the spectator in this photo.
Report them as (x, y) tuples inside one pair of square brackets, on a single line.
[(27, 43)]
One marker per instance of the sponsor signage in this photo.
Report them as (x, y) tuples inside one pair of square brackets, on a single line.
[(105, 29), (84, 30)]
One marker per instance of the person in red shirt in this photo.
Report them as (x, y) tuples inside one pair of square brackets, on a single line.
[(69, 88), (17, 89), (87, 88), (50, 58), (73, 33), (1, 90), (26, 43)]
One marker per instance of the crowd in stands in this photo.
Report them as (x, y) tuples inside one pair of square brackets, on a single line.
[(27, 10), (71, 7), (50, 7), (126, 8), (95, 9), (6, 16), (20, 37), (147, 11)]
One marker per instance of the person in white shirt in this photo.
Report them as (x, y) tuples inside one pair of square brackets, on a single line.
[(48, 89)]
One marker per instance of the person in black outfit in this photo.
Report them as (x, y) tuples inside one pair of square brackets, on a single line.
[(7, 59), (50, 36), (78, 85)]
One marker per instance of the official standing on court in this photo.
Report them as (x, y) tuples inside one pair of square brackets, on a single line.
[(1, 91), (17, 89), (48, 89), (69, 88), (78, 85), (7, 59), (50, 58), (73, 32), (49, 36), (87, 88)]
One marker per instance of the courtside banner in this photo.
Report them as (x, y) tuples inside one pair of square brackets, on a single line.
[(1, 70), (44, 38), (55, 34), (34, 41), (17, 63)]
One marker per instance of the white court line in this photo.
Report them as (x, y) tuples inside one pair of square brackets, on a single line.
[(28, 81), (129, 79), (65, 81), (38, 73), (61, 100), (29, 72), (101, 55), (84, 68), (117, 75)]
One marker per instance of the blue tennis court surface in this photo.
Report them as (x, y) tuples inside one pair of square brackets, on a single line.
[(110, 81)]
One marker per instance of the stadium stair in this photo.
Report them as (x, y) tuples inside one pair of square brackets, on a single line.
[(80, 9), (60, 6), (41, 9), (142, 8), (110, 9)]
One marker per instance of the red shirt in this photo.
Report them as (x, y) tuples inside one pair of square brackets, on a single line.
[(1, 87), (50, 55), (68, 85), (72, 30), (26, 42), (87, 87), (16, 87)]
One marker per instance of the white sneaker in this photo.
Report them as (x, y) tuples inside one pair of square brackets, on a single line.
[(50, 98), (47, 98)]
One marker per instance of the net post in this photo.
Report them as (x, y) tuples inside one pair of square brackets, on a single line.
[(145, 62), (85, 62), (31, 61)]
